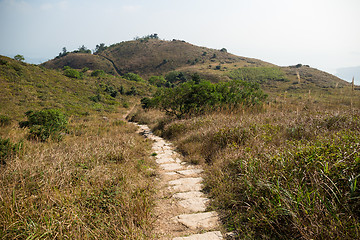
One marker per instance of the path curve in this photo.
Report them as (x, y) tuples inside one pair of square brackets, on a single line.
[(181, 207)]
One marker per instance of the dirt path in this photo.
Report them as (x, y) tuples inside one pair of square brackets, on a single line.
[(181, 206)]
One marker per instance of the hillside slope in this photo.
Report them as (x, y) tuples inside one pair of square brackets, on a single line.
[(29, 87), (157, 57)]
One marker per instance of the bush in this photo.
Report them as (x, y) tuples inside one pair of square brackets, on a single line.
[(44, 124), (4, 121), (72, 73), (8, 150), (98, 73), (158, 81), (132, 77), (194, 98)]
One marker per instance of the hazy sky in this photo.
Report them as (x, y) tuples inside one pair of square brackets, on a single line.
[(324, 34)]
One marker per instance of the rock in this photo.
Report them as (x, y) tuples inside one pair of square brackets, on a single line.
[(204, 221), (205, 236), (186, 184), (165, 160), (190, 171), (194, 204), (188, 195), (171, 166)]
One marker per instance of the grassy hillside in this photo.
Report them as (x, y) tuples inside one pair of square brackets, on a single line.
[(94, 181), (26, 87), (81, 60), (148, 57)]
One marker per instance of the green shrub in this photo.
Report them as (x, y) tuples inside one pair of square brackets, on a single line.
[(194, 98), (4, 121), (158, 81), (132, 77), (8, 150), (98, 73), (3, 62), (96, 98), (72, 73), (45, 123)]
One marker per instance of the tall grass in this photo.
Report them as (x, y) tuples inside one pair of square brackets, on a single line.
[(95, 184), (278, 174)]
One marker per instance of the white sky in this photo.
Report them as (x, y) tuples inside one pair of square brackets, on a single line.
[(324, 34)]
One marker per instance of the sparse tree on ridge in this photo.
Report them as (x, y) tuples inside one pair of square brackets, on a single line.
[(19, 57)]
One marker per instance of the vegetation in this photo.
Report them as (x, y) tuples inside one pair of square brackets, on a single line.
[(45, 123), (8, 150), (72, 73), (198, 97), (98, 73), (4, 120), (75, 189), (287, 172), (133, 77), (86, 186), (19, 58), (30, 87), (258, 74)]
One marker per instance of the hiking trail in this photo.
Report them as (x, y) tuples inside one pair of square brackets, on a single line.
[(181, 208)]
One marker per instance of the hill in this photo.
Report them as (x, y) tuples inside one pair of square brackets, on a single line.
[(25, 86), (148, 57)]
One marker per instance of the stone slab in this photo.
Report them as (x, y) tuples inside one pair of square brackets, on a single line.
[(194, 204), (204, 221), (205, 236), (190, 172), (165, 160), (171, 166), (186, 184), (188, 195)]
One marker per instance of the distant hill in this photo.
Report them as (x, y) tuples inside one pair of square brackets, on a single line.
[(81, 60), (31, 87), (148, 57)]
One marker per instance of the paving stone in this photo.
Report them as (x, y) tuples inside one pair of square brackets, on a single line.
[(186, 184), (194, 204), (170, 173), (165, 160), (171, 166), (188, 195), (204, 221), (205, 236), (190, 171)]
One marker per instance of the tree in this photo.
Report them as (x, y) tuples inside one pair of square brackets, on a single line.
[(19, 58), (99, 48), (82, 49)]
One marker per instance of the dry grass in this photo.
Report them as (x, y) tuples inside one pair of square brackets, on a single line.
[(96, 184), (286, 173)]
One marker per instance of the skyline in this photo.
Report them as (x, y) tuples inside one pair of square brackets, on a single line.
[(322, 34)]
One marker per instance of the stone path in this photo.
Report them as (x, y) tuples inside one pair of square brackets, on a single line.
[(181, 206)]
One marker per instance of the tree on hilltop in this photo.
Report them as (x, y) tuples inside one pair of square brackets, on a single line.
[(19, 57)]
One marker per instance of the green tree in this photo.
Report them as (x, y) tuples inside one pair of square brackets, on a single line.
[(19, 57), (99, 48)]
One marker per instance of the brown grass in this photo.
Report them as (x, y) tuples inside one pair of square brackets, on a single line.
[(289, 172), (96, 184)]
